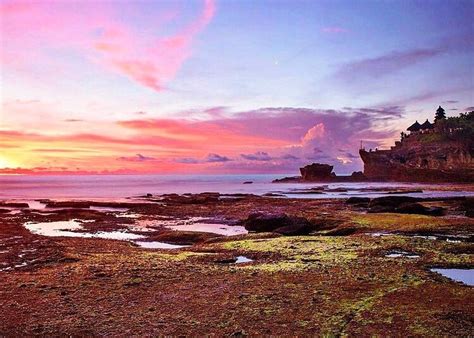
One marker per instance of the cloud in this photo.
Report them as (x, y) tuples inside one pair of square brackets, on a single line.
[(187, 160), (100, 36), (151, 65), (469, 108), (137, 158), (451, 101), (292, 136), (384, 65), (258, 156), (290, 157), (380, 66), (212, 158)]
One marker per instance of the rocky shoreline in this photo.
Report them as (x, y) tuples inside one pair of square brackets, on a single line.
[(311, 266)]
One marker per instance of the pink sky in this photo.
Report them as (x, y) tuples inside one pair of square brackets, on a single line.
[(215, 87)]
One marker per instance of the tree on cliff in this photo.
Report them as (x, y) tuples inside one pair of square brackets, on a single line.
[(440, 114), (460, 128)]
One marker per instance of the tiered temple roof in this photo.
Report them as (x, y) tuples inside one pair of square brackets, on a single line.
[(427, 125), (414, 127)]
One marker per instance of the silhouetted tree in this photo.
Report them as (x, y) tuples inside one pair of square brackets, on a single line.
[(440, 114)]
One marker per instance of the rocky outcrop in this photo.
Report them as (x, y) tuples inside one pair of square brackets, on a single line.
[(432, 156), (317, 172), (279, 223), (320, 172)]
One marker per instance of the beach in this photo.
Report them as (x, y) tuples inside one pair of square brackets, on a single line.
[(214, 263)]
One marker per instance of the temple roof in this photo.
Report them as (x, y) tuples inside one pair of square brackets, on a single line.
[(427, 125), (414, 127)]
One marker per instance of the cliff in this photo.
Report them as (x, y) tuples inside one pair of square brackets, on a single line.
[(443, 154)]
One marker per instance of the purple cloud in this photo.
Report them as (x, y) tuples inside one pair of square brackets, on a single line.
[(136, 158), (211, 158), (385, 64), (258, 156)]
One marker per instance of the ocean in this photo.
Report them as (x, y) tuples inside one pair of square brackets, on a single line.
[(123, 186)]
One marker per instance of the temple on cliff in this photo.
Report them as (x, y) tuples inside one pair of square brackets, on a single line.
[(442, 151)]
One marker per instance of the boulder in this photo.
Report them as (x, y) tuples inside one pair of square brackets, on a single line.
[(316, 171), (412, 208), (279, 223), (408, 208), (358, 200), (392, 201), (358, 176), (300, 227)]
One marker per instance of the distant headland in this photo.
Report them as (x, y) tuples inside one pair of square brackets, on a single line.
[(442, 151)]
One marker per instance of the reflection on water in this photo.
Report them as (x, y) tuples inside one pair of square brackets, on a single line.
[(158, 245), (66, 229), (465, 276), (107, 209), (116, 186), (243, 259), (221, 229), (401, 254)]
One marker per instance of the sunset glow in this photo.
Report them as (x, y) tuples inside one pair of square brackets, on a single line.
[(192, 87)]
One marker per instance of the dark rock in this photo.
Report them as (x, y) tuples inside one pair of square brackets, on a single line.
[(316, 171), (380, 208), (230, 260), (149, 195), (260, 222), (392, 201), (14, 205), (202, 198), (69, 204), (357, 200), (291, 179), (248, 182), (300, 227), (279, 223), (4, 211), (358, 176), (412, 208), (346, 231), (468, 206)]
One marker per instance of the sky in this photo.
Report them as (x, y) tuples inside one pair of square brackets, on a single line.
[(204, 86)]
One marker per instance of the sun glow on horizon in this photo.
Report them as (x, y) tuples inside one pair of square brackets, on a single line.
[(6, 163)]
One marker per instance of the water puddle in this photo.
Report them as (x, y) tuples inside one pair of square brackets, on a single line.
[(243, 259), (465, 276), (70, 229), (447, 238), (107, 209), (66, 229), (158, 245), (36, 204), (220, 229), (380, 234), (401, 254)]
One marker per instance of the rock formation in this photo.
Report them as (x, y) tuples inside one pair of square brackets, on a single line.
[(442, 152), (317, 172)]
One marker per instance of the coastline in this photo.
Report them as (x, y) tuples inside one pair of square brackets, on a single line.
[(331, 271)]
